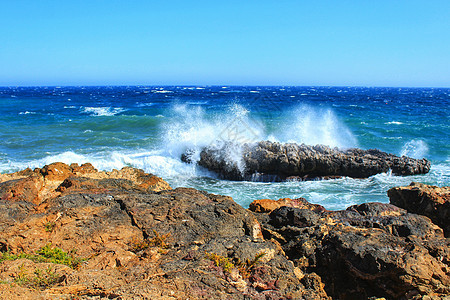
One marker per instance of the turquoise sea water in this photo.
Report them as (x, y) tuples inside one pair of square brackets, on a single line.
[(150, 127)]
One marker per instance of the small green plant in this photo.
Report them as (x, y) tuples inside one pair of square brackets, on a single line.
[(49, 226), (41, 279), (58, 256), (157, 241), (227, 265), (245, 269), (21, 277), (8, 256), (138, 245), (220, 261), (47, 254)]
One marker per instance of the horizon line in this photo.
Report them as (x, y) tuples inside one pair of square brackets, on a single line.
[(222, 85)]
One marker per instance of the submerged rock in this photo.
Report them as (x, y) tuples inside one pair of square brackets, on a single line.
[(268, 161), (430, 201)]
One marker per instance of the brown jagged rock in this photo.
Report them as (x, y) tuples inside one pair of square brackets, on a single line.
[(141, 244), (369, 250), (427, 200), (269, 161), (41, 184), (24, 189), (267, 205)]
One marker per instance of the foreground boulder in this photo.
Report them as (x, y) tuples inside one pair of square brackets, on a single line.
[(134, 240), (268, 161), (367, 251), (37, 185), (430, 201)]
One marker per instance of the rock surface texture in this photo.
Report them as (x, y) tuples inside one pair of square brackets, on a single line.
[(135, 238), (268, 161), (71, 232), (367, 251), (430, 201)]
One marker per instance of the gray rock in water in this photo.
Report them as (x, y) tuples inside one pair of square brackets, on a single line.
[(278, 162)]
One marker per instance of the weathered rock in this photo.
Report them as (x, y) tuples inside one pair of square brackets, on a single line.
[(267, 205), (41, 184), (142, 244), (274, 161), (430, 201), (368, 250)]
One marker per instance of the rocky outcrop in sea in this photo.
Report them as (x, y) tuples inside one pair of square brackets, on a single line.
[(269, 161), (71, 232)]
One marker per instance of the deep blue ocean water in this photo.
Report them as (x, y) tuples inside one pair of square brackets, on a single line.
[(150, 127)]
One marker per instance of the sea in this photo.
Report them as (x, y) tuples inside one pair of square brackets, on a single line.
[(150, 127)]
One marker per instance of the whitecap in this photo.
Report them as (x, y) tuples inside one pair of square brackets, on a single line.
[(394, 122), (144, 104), (197, 102), (102, 111), (27, 113)]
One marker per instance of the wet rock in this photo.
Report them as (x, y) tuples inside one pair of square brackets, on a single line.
[(430, 201), (275, 161)]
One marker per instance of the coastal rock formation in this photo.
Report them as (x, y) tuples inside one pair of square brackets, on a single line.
[(367, 251), (70, 232), (430, 201), (40, 184), (268, 161)]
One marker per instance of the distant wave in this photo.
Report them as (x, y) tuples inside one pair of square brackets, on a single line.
[(27, 113), (162, 91), (102, 111)]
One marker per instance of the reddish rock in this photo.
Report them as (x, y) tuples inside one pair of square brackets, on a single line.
[(56, 171), (41, 184), (143, 244), (23, 189), (430, 201), (267, 205)]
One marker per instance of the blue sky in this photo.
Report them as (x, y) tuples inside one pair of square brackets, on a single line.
[(363, 43)]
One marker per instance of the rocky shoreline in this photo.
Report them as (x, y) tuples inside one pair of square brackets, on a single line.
[(269, 161), (72, 232)]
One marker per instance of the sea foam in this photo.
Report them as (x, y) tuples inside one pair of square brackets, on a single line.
[(415, 149)]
